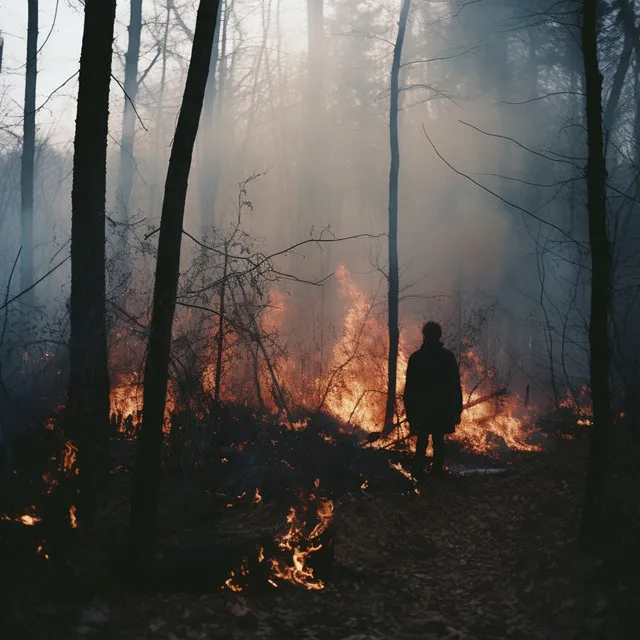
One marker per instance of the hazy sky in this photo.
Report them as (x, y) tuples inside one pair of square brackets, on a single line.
[(60, 26), (57, 61)]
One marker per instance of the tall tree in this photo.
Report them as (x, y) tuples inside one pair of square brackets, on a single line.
[(394, 277), (208, 186), (314, 167), (147, 471), (599, 348), (127, 166), (88, 397), (28, 149)]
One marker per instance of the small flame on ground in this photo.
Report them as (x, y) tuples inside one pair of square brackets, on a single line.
[(580, 405), (28, 520), (398, 467), (299, 545), (69, 458), (299, 572), (72, 516), (298, 425)]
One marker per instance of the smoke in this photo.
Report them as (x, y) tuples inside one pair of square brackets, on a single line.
[(309, 115)]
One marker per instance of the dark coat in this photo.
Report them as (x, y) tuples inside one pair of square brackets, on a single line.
[(433, 394)]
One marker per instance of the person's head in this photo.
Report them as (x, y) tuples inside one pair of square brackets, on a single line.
[(432, 332)]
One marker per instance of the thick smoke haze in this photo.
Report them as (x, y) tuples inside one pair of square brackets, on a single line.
[(490, 145)]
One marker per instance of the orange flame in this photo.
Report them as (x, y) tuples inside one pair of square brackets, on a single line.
[(69, 457), (126, 400), (353, 389), (29, 520), (580, 406), (299, 572)]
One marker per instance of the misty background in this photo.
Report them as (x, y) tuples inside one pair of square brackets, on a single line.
[(297, 103)]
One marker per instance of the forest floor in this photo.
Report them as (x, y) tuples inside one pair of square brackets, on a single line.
[(470, 557)]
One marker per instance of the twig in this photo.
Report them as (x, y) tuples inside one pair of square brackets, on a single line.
[(496, 195), (133, 106), (6, 317), (46, 275)]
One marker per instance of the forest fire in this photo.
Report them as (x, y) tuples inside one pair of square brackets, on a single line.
[(351, 387), (290, 560), (126, 400), (302, 547), (216, 274), (580, 406)]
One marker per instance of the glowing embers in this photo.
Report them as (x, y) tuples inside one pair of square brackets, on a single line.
[(301, 547), (72, 517), (580, 405), (238, 578), (69, 459), (400, 469), (292, 557), (28, 518)]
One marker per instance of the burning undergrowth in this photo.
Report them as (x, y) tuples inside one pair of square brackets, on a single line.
[(260, 426), (252, 551), (263, 367)]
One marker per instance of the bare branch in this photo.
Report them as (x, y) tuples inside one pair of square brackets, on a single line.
[(498, 196)]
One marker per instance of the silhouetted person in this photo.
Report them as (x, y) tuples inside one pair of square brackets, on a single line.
[(432, 397)]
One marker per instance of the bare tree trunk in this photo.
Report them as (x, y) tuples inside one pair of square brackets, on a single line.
[(223, 288), (599, 356), (217, 146), (394, 278), (256, 376), (276, 392), (547, 329), (147, 471), (127, 166), (207, 139), (617, 85), (88, 398), (314, 193), (636, 146), (159, 145), (28, 152)]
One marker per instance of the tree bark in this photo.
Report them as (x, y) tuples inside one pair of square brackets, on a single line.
[(220, 341), (208, 186), (599, 357), (149, 457), (88, 397), (617, 85), (28, 152), (394, 278), (127, 166)]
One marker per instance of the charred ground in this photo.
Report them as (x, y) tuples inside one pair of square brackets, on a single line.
[(473, 556)]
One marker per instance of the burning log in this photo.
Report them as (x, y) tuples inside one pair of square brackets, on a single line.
[(373, 437), (486, 398)]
